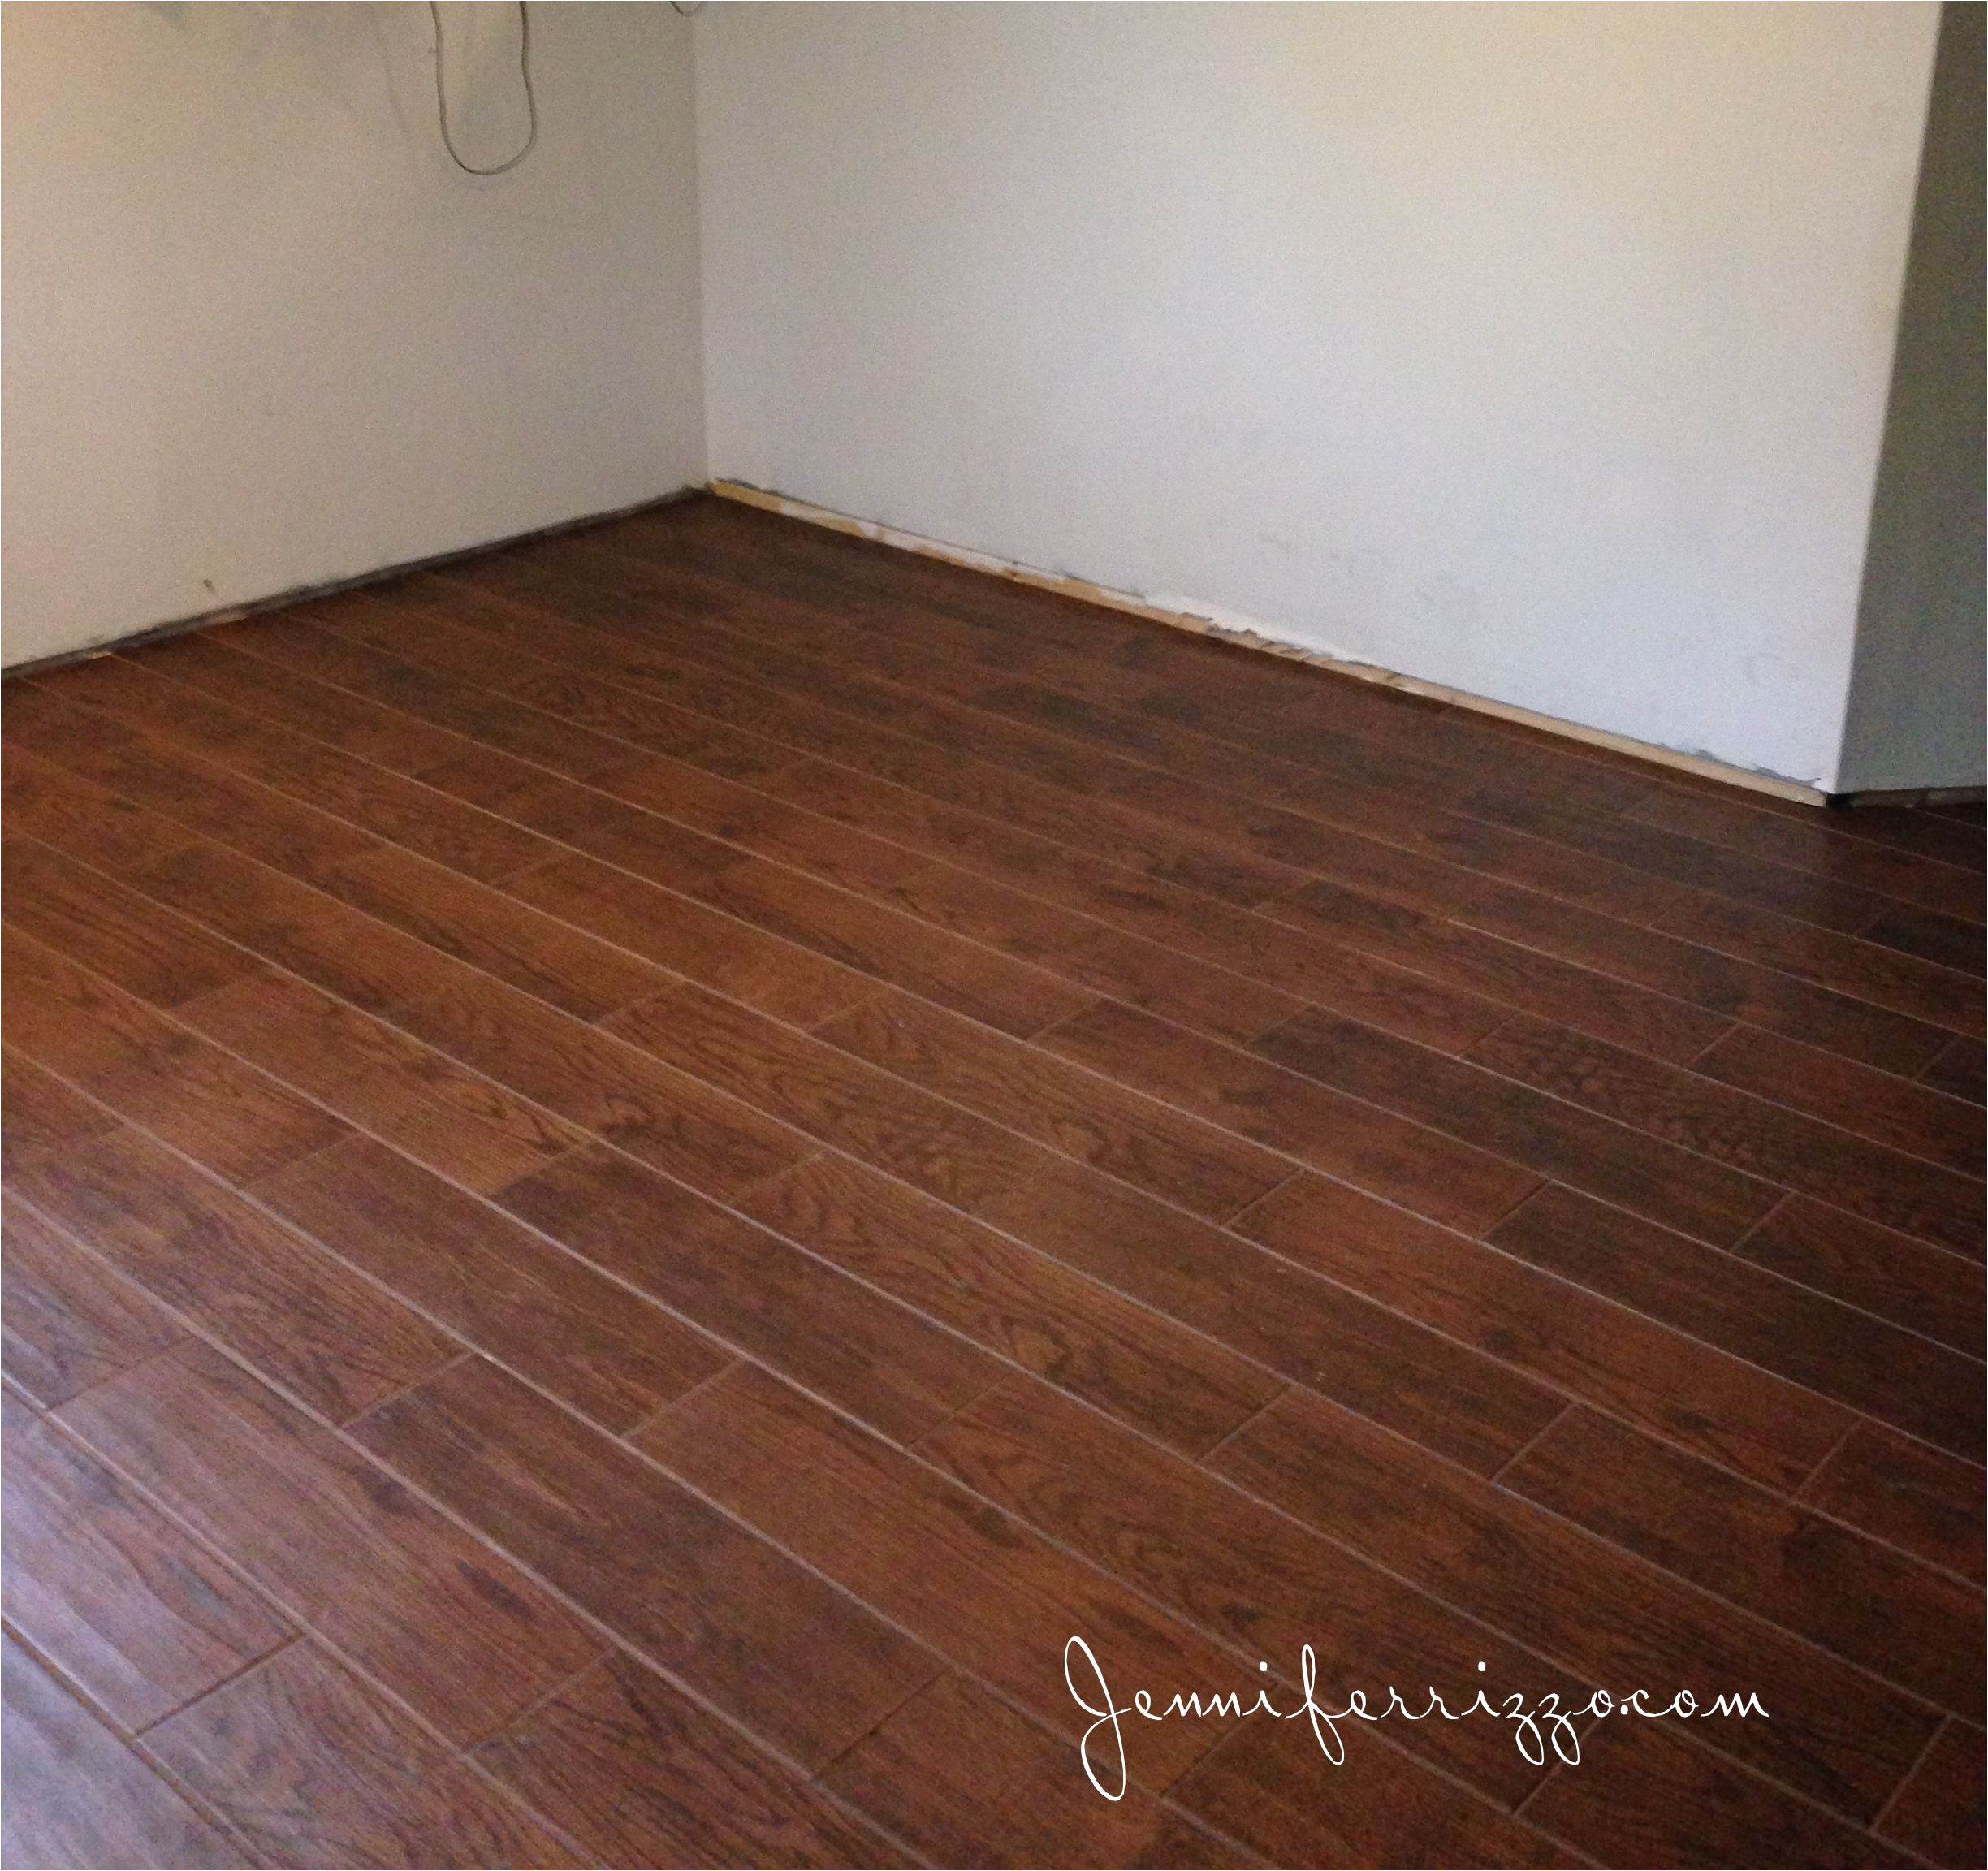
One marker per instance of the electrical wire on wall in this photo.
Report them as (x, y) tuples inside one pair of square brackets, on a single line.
[(531, 102)]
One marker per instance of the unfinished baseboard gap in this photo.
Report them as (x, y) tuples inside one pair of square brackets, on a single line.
[(1065, 586), (307, 594)]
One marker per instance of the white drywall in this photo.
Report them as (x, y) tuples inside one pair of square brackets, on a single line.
[(1537, 351), (259, 332), (1916, 684)]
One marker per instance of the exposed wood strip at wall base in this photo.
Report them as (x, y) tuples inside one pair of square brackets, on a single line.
[(1090, 594)]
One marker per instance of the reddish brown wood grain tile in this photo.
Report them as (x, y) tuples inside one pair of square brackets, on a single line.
[(494, 933), (159, 957), (1253, 1578), (148, 1069), (456, 1630), (977, 1586), (1914, 1118), (636, 1774), (277, 918), (1764, 1139), (76, 1794), (966, 1780), (1923, 1288), (1137, 1139), (43, 1114), (1272, 1786), (378, 1079), (1862, 1601), (718, 951), (801, 1665), (1622, 1360), (1551, 1137), (1317, 1332), (1833, 1732), (1442, 1177), (1903, 1492), (877, 1359), (1958, 1070), (663, 1116), (288, 1308), (312, 1769), (838, 1100), (70, 1322), (1620, 1804), (1040, 1078), (129, 1608), (516, 1297), (1858, 1359), (1041, 1315), (1938, 1813)]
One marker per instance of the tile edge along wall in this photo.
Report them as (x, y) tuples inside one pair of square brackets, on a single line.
[(263, 338), (1599, 303)]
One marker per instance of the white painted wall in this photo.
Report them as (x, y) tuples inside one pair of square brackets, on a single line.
[(1540, 351), (1916, 683), (260, 333)]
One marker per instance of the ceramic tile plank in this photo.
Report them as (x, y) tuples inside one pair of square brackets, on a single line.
[(313, 1770), (77, 1794), (518, 1298), (864, 1352), (455, 1629), (118, 1599), (799, 1663)]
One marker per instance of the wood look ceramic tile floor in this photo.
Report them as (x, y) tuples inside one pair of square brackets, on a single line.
[(643, 1168)]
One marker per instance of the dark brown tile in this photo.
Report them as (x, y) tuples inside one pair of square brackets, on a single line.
[(979, 1587), (800, 1664), (1272, 1786), (494, 933), (1643, 1794), (1479, 1411), (312, 1769), (1253, 1578), (286, 1306), (1912, 1284), (731, 957), (1613, 1622), (636, 1774), (43, 1114), (377, 1078), (516, 1297), (1134, 1138), (1938, 1813), (653, 1111), (76, 1794), (81, 913), (1438, 1175), (1551, 1137), (965, 1780), (1750, 1133), (1803, 1335), (1039, 1314), (128, 1608), (70, 1321), (1903, 1492), (1863, 1601), (148, 1069), (827, 1333), (1914, 1118), (1625, 1363), (455, 1629)]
